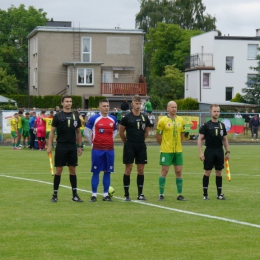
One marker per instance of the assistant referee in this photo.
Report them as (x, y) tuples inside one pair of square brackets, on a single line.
[(67, 125)]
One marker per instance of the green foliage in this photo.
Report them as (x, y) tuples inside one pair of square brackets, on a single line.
[(47, 101), (187, 104), (8, 83), (237, 98), (8, 106), (168, 87), (252, 92), (94, 101), (188, 14), (15, 25)]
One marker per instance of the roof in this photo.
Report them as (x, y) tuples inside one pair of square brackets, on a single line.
[(5, 100), (228, 103), (83, 30)]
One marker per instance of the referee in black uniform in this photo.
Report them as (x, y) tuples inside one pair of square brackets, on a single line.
[(215, 135), (136, 126), (67, 125)]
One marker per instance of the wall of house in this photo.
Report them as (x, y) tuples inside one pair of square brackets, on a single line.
[(220, 78), (55, 48)]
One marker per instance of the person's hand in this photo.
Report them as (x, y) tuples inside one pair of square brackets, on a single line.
[(202, 157), (49, 150), (79, 151)]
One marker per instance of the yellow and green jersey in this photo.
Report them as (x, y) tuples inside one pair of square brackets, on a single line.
[(171, 131), (82, 123), (19, 124), (13, 124), (48, 121)]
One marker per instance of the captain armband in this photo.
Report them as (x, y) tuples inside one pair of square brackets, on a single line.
[(159, 132)]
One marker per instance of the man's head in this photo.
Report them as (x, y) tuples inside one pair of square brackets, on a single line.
[(103, 107), (66, 102), (136, 102), (214, 111), (172, 107)]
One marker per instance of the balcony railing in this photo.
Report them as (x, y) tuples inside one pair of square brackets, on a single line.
[(198, 60), (124, 88)]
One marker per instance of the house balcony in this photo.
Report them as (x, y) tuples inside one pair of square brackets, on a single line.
[(124, 89), (199, 61)]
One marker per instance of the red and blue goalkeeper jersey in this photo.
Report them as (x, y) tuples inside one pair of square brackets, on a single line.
[(102, 131)]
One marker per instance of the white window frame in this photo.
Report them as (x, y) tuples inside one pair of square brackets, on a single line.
[(86, 72), (232, 65), (206, 82), (252, 51), (89, 52)]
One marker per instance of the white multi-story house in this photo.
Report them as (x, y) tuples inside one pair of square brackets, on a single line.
[(219, 66)]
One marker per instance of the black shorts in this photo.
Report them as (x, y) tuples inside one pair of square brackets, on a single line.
[(135, 152), (66, 155), (214, 157)]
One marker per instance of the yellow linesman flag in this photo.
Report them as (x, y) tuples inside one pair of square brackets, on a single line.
[(51, 165), (227, 169)]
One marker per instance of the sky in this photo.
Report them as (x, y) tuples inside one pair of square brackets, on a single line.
[(234, 17)]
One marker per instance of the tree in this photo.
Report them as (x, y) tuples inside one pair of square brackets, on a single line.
[(8, 83), (167, 87), (15, 25), (188, 14), (252, 92)]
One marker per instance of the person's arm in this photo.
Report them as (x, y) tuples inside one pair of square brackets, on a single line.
[(122, 133), (201, 155), (87, 134), (182, 136), (50, 140), (146, 132), (225, 143), (79, 141), (159, 138)]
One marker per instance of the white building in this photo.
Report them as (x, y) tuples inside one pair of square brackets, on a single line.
[(219, 66)]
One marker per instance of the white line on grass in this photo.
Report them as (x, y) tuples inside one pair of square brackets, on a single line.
[(150, 204)]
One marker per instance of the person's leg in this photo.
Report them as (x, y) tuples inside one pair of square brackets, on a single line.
[(205, 183), (140, 179), (162, 180), (126, 178), (56, 183), (106, 183)]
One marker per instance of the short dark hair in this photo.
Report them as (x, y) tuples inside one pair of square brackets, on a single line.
[(65, 96), (103, 101), (137, 98)]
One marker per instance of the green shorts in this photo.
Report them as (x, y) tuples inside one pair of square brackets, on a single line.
[(26, 133), (47, 134), (13, 134), (20, 131), (167, 159), (82, 132)]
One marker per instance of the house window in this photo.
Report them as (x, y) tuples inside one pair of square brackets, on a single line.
[(206, 80), (251, 80), (229, 63), (252, 51), (187, 82), (86, 49), (85, 77), (229, 92)]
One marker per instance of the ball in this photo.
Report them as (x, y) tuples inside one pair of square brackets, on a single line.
[(111, 192)]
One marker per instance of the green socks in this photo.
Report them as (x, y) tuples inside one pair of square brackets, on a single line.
[(179, 182), (161, 184)]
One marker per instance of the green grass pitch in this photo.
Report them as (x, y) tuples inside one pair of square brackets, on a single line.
[(34, 228)]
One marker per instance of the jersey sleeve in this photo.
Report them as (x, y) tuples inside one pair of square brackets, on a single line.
[(160, 126), (90, 122), (203, 129)]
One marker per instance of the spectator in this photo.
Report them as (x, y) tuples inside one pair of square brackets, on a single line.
[(31, 130), (148, 106), (125, 106), (255, 125), (246, 116)]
